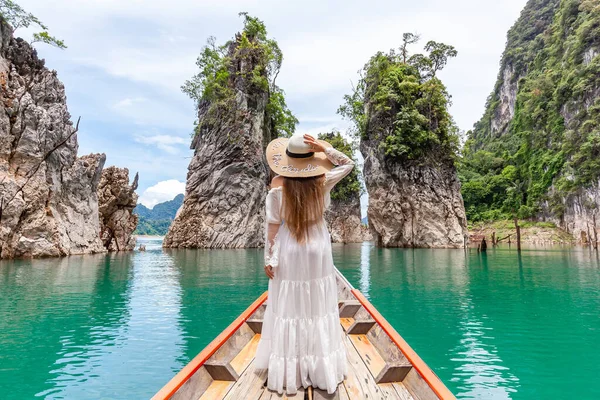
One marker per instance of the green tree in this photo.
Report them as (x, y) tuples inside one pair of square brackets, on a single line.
[(408, 39), (350, 185), (17, 17), (403, 105), (213, 83), (439, 53)]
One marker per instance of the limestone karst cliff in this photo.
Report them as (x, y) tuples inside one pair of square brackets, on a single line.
[(344, 222), (240, 109), (343, 216), (533, 154), (408, 141), (413, 204), (116, 201), (48, 200)]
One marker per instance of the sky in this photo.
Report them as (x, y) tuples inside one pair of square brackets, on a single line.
[(126, 61)]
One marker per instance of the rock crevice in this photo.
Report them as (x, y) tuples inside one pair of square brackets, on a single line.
[(48, 200), (413, 204), (228, 176), (116, 201)]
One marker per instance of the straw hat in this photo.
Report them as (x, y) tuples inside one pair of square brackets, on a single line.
[(293, 158)]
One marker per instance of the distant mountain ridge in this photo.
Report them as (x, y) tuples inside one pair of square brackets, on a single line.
[(156, 221), (166, 210)]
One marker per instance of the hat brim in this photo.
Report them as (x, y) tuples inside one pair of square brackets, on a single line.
[(284, 165)]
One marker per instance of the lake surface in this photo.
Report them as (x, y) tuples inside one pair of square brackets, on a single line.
[(492, 326)]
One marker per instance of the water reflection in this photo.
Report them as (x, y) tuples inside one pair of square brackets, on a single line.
[(217, 285), (56, 309), (365, 268), (493, 326)]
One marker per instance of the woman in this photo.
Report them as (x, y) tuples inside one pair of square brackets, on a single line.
[(301, 336)]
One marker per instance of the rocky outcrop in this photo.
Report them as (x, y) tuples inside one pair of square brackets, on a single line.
[(48, 201), (227, 178), (409, 148), (413, 204), (521, 48), (116, 201), (343, 214), (344, 222), (507, 95), (580, 213)]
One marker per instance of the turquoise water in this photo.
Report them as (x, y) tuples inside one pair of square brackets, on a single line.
[(495, 326)]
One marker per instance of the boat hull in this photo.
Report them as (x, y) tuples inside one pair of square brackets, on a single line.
[(381, 364)]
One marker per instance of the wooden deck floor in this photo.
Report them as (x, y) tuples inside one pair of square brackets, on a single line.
[(360, 383)]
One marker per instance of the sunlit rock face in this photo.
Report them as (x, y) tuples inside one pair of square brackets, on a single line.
[(116, 201), (413, 204), (228, 176), (48, 200), (344, 222)]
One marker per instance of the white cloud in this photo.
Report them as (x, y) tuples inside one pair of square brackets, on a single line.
[(128, 102), (161, 192), (163, 142)]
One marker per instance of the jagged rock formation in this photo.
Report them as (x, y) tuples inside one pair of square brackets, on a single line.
[(537, 141), (343, 214), (581, 214), (407, 139), (116, 201), (48, 203), (412, 204), (344, 222), (227, 178)]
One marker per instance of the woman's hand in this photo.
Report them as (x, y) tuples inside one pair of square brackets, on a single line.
[(269, 271), (314, 144)]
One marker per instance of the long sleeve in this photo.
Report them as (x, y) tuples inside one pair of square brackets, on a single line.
[(272, 224), (343, 168)]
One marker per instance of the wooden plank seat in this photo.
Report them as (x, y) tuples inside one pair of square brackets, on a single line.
[(348, 308), (219, 364), (357, 323), (383, 358), (381, 365), (256, 320)]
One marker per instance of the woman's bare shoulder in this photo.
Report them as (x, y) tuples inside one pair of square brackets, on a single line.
[(277, 182)]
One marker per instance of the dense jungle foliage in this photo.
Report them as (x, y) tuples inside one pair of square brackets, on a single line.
[(551, 146), (402, 91), (251, 56), (350, 185)]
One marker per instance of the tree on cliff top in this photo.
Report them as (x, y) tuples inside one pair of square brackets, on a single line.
[(350, 185), (214, 82), (17, 17), (400, 102)]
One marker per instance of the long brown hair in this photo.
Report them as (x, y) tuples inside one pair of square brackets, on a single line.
[(303, 204)]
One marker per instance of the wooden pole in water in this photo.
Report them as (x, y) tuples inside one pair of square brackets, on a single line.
[(595, 232), (518, 228)]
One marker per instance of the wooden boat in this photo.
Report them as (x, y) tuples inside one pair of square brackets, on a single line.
[(381, 365)]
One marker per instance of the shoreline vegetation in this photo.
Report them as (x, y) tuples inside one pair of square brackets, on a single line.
[(532, 232)]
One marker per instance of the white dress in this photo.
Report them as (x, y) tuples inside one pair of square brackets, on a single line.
[(300, 343)]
